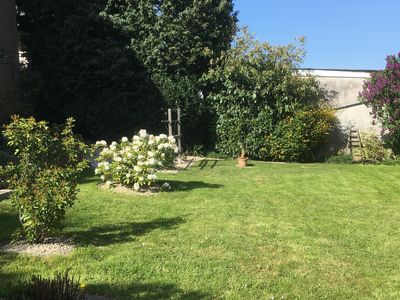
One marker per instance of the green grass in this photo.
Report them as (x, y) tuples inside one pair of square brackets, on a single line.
[(297, 231)]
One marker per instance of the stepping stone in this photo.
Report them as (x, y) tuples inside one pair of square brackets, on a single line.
[(4, 194)]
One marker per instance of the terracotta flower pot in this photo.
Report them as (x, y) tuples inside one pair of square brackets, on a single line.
[(242, 162)]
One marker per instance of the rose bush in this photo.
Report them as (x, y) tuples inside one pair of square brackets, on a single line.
[(134, 163)]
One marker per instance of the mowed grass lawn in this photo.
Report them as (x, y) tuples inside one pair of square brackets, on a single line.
[(291, 231)]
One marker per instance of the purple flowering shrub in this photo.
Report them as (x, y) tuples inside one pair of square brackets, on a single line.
[(382, 93)]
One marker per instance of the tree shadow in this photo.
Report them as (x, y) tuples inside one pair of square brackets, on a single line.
[(147, 291), (184, 186), (85, 180), (121, 233), (8, 224), (10, 281)]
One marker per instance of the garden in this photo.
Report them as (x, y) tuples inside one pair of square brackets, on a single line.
[(265, 200)]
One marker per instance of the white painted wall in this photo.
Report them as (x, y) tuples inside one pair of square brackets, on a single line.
[(347, 84)]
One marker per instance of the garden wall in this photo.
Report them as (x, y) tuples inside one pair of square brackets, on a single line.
[(345, 86), (8, 58)]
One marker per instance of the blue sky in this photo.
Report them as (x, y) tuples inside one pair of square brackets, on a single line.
[(344, 34)]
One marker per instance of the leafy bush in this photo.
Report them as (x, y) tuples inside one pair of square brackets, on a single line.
[(300, 137), (135, 163), (340, 159), (5, 176), (45, 177), (61, 287), (381, 92), (391, 162), (373, 149), (254, 87)]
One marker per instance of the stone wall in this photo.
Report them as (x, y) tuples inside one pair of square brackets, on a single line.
[(8, 59)]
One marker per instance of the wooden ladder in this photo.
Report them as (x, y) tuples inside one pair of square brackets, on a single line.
[(354, 144)]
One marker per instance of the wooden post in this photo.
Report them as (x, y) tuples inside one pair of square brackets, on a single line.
[(178, 117), (170, 122)]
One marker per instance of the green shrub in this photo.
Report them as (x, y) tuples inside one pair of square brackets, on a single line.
[(340, 159), (301, 137), (373, 149), (45, 177), (391, 162)]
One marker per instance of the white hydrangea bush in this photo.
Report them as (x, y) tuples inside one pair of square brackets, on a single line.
[(134, 163)]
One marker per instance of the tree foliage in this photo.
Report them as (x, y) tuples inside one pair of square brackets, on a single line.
[(113, 64), (176, 40), (382, 93), (80, 66), (254, 87)]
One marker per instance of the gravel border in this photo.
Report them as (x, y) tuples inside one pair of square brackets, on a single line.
[(51, 246)]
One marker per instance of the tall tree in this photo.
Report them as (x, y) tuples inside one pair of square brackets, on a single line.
[(112, 64), (80, 66), (176, 40)]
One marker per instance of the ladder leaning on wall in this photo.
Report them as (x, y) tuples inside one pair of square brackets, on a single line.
[(354, 144)]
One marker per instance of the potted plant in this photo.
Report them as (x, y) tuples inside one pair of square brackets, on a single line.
[(242, 159)]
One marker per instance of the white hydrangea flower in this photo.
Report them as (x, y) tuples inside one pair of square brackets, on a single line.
[(162, 155), (152, 161), (101, 143), (152, 177), (171, 139), (166, 186), (108, 183), (150, 154), (137, 169), (136, 138), (118, 159), (141, 178), (143, 133), (162, 136), (128, 175), (102, 177), (124, 139)]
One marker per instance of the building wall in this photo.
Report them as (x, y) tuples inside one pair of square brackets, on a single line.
[(345, 86), (8, 58)]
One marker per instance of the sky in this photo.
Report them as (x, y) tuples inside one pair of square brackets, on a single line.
[(340, 34)]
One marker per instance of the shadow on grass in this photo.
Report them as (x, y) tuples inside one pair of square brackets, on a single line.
[(9, 280), (92, 179), (208, 163), (145, 291), (121, 233), (8, 224), (190, 185)]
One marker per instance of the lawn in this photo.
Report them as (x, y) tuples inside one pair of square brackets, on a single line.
[(291, 231)]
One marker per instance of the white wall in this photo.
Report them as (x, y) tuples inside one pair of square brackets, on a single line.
[(347, 84)]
